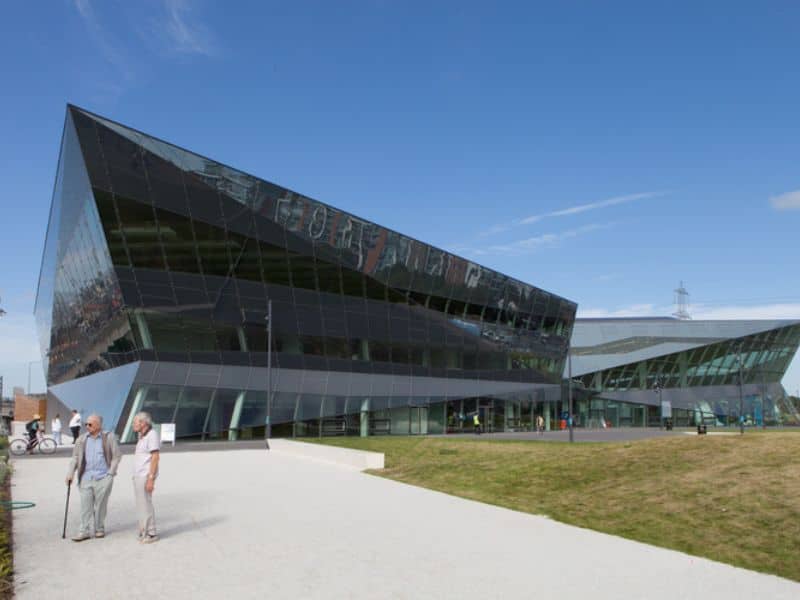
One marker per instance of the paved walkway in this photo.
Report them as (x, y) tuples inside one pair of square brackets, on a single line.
[(181, 446), (580, 435), (253, 524)]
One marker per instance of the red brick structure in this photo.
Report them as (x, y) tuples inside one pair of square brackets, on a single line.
[(27, 405)]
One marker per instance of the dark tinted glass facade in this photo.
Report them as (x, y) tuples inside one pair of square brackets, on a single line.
[(160, 256), (82, 324), (763, 357), (712, 372)]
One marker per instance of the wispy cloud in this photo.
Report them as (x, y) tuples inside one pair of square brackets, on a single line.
[(181, 32), (168, 28), (572, 210), (84, 8), (787, 201), (495, 229), (604, 278), (581, 208), (532, 244), (631, 310), (109, 50), (784, 310)]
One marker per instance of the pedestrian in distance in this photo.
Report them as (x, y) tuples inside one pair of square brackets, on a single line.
[(95, 458), (75, 425), (540, 424), (145, 471), (476, 422), (55, 427), (32, 428)]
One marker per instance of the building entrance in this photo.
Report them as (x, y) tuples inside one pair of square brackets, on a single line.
[(486, 415), (418, 420)]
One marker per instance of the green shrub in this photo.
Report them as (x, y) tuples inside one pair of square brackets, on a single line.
[(6, 557)]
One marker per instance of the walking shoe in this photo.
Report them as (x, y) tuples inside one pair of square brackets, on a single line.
[(81, 537), (99, 534), (149, 539)]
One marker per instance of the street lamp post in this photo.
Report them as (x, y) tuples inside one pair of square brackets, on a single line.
[(569, 394), (658, 387), (268, 428), (763, 398), (29, 374), (741, 394)]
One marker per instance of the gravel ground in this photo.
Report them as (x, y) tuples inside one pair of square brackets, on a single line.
[(253, 524)]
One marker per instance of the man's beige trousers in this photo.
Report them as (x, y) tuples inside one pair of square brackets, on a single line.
[(144, 507), (94, 500)]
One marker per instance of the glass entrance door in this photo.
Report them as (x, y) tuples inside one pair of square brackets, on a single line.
[(612, 414), (486, 416), (418, 420), (455, 418)]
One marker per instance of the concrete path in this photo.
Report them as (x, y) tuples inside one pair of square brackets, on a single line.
[(252, 524), (622, 434)]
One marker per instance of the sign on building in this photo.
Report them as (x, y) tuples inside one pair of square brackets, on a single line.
[(666, 409), (168, 433)]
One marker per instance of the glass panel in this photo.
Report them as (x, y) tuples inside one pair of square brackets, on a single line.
[(111, 227), (140, 233), (219, 418), (212, 246), (275, 262), (283, 407), (302, 269), (359, 291), (247, 259), (192, 411), (400, 420), (329, 276), (161, 402), (178, 240), (333, 406), (254, 410), (79, 308), (309, 407), (166, 332), (200, 335)]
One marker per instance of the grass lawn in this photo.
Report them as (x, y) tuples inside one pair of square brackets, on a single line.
[(729, 498)]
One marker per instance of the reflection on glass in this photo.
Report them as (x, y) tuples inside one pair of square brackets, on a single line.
[(156, 253)]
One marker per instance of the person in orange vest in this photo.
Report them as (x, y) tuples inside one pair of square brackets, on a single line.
[(477, 423)]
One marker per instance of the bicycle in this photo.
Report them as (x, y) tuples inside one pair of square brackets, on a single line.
[(20, 446)]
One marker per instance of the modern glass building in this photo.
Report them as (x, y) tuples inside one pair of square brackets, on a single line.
[(624, 369), (159, 269)]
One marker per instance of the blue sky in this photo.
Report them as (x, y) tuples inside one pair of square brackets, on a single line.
[(603, 151)]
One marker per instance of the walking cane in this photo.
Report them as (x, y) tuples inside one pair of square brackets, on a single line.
[(66, 511)]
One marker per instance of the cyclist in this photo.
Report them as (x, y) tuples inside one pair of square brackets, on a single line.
[(32, 427)]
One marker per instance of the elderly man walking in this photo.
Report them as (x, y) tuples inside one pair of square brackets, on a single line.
[(145, 471), (95, 457)]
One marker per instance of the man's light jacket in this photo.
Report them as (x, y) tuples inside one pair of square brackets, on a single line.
[(111, 452)]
